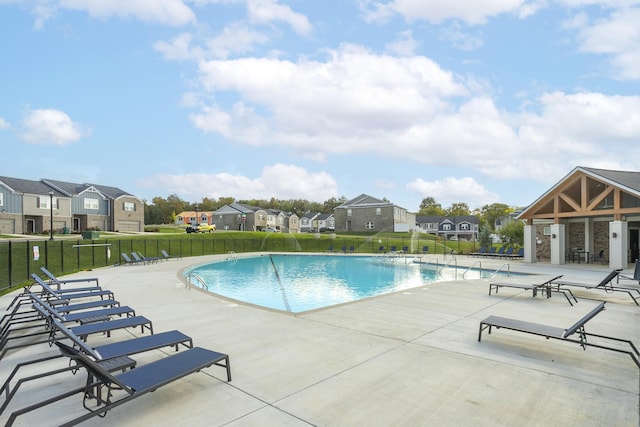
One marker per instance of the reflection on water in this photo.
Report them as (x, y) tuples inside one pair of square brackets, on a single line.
[(306, 282)]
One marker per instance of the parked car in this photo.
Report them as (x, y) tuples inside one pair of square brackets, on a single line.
[(206, 228), (191, 229), (271, 230)]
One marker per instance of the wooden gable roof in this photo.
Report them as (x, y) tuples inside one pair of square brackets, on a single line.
[(588, 192)]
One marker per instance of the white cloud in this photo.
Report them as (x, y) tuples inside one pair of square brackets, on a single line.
[(405, 45), (345, 104), (167, 12), (50, 126), (279, 180), (618, 36), (179, 48), (472, 12), (4, 124), (451, 190), (266, 11)]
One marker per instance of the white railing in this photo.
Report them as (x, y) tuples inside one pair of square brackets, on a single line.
[(201, 282), (500, 269), (473, 265), (455, 261)]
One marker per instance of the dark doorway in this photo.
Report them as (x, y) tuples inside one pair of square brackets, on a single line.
[(633, 245)]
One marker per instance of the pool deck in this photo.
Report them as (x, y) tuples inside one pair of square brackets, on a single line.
[(404, 359)]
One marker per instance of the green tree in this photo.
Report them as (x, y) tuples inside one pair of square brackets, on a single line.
[(492, 212), (484, 237), (429, 207), (458, 209), (512, 233)]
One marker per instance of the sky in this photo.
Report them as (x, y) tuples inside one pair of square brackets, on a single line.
[(469, 101)]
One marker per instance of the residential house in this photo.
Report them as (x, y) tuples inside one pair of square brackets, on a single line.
[(307, 222), (450, 227), (428, 223), (325, 222), (314, 222), (194, 218), (100, 207), (587, 212), (28, 206), (366, 213), (236, 216)]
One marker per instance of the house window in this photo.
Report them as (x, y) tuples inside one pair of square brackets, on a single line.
[(91, 204), (1, 199), (349, 212), (378, 211), (129, 207), (369, 225), (465, 226), (446, 227), (43, 202)]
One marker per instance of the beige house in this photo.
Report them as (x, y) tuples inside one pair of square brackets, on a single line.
[(591, 215)]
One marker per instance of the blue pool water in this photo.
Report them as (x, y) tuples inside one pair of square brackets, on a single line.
[(296, 283)]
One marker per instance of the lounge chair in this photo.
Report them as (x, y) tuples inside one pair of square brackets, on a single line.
[(635, 277), (344, 249), (67, 294), (480, 252), (41, 332), (539, 284), (425, 250), (133, 383), (490, 252), (166, 255), (140, 258), (606, 284), (61, 282), (127, 347), (499, 252), (330, 249), (128, 261), (507, 253), (381, 248), (394, 249), (405, 249), (554, 332)]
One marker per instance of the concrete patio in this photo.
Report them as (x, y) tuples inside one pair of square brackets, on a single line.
[(404, 359)]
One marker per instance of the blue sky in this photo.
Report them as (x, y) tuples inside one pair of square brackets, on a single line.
[(464, 101)]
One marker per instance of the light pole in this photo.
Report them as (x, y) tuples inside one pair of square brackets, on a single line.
[(51, 215)]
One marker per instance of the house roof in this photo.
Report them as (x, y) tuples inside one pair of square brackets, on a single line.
[(74, 189), (364, 200), (627, 181), (27, 186), (453, 219)]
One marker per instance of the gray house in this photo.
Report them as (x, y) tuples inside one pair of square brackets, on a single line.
[(450, 227)]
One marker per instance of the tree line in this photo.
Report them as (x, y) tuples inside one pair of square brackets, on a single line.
[(164, 211)]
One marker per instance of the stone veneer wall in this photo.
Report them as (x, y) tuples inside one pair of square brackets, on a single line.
[(576, 239)]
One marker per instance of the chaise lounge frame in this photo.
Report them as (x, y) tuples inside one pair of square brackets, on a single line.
[(553, 332), (134, 383)]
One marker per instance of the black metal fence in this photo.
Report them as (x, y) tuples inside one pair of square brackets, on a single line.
[(20, 258)]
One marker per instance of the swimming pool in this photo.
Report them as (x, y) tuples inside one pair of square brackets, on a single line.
[(297, 283)]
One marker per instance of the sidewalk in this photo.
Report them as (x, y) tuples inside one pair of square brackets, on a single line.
[(409, 358)]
